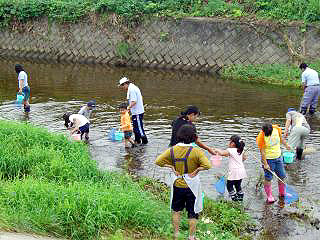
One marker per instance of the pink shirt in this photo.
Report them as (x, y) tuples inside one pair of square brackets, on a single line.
[(236, 167)]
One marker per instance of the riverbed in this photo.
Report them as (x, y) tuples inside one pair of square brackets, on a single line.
[(227, 108)]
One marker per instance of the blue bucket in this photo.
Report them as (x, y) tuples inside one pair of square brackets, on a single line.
[(288, 157), (115, 135), (20, 98)]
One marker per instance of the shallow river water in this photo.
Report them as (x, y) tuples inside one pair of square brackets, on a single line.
[(227, 108)]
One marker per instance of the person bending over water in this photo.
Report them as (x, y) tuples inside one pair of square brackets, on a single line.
[(189, 116), (236, 168), (300, 129), (268, 141), (77, 123), (185, 162)]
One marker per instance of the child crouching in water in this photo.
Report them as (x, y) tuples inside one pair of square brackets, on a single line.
[(126, 126), (236, 168), (77, 123)]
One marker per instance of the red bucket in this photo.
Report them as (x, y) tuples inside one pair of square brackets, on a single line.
[(216, 160)]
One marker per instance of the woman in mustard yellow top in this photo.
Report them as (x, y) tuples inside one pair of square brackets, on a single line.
[(268, 141), (186, 162)]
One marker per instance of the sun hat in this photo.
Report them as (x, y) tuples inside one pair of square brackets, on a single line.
[(123, 80), (92, 103)]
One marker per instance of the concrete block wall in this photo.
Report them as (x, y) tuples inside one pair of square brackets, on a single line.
[(197, 44)]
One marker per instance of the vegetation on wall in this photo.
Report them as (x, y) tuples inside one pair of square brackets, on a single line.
[(132, 10)]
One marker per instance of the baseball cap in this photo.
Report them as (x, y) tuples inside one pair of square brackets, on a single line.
[(91, 103), (290, 109), (123, 80)]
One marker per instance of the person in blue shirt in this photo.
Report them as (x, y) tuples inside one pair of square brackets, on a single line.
[(310, 85)]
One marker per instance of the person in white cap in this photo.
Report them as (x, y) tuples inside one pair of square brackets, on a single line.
[(136, 107)]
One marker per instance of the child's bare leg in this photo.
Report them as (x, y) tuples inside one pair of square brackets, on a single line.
[(131, 141), (176, 223), (126, 143)]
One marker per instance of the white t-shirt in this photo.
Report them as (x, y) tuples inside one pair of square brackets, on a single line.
[(310, 77), (85, 112), (134, 95), (80, 118), (23, 76)]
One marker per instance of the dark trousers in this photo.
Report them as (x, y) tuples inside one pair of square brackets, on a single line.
[(139, 134), (235, 196)]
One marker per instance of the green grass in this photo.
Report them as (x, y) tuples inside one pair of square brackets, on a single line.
[(274, 74), (51, 185)]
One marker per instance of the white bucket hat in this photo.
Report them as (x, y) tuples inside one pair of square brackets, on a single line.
[(123, 80)]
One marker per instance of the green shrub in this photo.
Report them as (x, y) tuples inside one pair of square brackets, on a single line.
[(275, 74)]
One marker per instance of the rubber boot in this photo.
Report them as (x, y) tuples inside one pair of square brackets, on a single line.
[(233, 196), (299, 152), (303, 111), (311, 111), (240, 196), (27, 108), (268, 190), (282, 189), (144, 140)]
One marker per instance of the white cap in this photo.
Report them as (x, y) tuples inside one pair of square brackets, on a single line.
[(123, 80)]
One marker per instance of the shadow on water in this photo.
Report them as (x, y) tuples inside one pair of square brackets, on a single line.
[(227, 108)]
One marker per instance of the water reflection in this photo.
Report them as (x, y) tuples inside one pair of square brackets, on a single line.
[(227, 108)]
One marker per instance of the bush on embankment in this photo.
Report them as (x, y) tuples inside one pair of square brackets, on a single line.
[(51, 185), (73, 10), (275, 74)]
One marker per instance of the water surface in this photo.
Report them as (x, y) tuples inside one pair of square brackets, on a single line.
[(227, 108)]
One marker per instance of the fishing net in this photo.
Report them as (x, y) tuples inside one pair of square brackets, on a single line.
[(291, 195), (221, 185)]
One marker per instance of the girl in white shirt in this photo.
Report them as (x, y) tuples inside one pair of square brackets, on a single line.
[(236, 168)]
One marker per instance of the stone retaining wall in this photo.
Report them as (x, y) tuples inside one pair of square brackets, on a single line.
[(188, 44)]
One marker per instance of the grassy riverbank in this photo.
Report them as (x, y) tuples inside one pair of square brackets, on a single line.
[(50, 185), (274, 74), (133, 10)]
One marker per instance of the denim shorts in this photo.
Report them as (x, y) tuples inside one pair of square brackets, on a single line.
[(127, 134), (276, 165), (84, 128), (26, 92)]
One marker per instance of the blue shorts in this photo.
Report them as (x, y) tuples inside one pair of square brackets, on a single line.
[(84, 128), (26, 92), (127, 134), (276, 165)]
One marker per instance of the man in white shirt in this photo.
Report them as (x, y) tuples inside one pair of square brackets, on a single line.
[(136, 107), (310, 84)]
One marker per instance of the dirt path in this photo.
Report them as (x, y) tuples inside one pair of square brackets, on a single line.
[(22, 236)]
